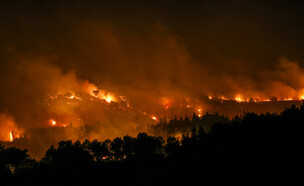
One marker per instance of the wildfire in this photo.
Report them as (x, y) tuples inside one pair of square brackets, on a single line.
[(239, 99), (199, 111), (53, 122), (11, 136), (154, 118), (102, 95), (108, 99), (74, 97), (223, 98)]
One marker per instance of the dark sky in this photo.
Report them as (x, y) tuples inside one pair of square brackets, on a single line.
[(257, 31)]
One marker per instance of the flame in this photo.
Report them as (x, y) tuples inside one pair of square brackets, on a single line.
[(53, 122), (11, 136), (108, 99), (74, 97), (223, 98), (239, 99), (8, 128), (154, 118), (102, 95)]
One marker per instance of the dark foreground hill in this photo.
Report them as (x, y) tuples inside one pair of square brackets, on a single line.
[(265, 149)]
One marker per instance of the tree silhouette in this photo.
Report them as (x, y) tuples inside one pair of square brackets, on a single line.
[(117, 148)]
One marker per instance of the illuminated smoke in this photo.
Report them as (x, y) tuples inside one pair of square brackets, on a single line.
[(8, 128)]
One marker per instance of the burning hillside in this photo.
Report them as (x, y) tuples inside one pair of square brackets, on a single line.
[(47, 97), (54, 105), (97, 80)]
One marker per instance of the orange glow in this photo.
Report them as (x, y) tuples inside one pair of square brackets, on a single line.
[(108, 99), (223, 98), (74, 97), (53, 122), (11, 136), (8, 128), (239, 99), (154, 118), (102, 95), (302, 97)]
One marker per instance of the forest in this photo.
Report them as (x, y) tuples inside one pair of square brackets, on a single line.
[(251, 149)]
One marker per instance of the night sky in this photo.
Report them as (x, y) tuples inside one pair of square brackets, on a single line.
[(254, 31)]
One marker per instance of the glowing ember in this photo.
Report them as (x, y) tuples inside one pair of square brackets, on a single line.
[(302, 97)]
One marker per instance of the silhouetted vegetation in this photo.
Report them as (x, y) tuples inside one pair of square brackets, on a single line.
[(265, 149), (178, 127)]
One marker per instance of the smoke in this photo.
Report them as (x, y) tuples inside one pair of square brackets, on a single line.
[(8, 128)]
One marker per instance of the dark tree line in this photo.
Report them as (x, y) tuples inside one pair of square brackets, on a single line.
[(265, 149), (184, 125)]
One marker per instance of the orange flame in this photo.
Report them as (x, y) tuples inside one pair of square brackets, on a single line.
[(11, 136), (108, 99), (53, 122), (154, 118)]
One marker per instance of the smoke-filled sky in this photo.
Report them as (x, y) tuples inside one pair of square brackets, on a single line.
[(148, 51)]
